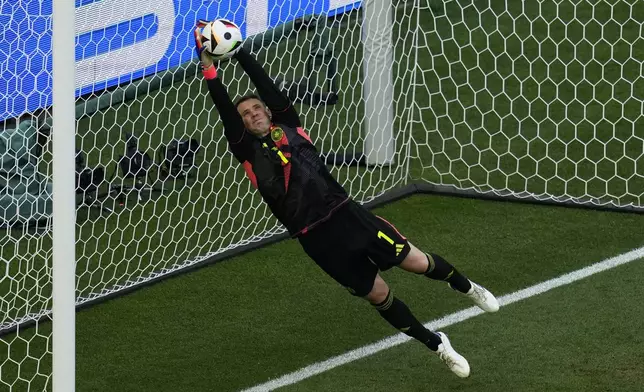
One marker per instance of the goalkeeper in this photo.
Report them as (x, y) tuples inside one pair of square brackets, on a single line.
[(346, 240)]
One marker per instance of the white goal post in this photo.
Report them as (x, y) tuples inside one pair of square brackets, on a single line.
[(64, 207), (537, 101), (378, 90)]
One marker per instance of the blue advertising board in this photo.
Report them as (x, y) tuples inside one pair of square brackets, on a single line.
[(119, 41)]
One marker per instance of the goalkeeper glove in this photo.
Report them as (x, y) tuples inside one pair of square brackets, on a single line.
[(207, 64), (198, 37)]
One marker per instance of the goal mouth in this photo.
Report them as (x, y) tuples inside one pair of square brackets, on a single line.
[(516, 101)]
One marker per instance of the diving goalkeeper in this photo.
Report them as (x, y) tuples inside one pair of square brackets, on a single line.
[(347, 241)]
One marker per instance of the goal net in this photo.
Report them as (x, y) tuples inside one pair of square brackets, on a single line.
[(148, 218), (540, 100)]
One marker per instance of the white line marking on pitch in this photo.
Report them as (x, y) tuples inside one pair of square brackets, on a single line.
[(451, 319)]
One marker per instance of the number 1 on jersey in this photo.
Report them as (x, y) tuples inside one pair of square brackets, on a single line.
[(385, 237)]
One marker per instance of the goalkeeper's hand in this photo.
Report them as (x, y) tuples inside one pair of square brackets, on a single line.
[(207, 64), (206, 59)]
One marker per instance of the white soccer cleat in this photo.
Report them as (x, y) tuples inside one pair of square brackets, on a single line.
[(455, 361), (483, 298)]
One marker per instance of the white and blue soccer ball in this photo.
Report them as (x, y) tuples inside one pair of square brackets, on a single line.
[(221, 39)]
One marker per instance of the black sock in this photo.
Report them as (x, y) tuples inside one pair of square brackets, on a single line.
[(439, 269), (400, 317)]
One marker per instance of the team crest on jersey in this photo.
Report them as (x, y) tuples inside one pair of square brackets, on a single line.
[(277, 134)]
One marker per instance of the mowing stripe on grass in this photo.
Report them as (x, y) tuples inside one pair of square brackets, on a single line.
[(451, 319)]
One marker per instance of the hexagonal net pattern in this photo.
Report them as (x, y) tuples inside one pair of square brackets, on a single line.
[(137, 229), (539, 99)]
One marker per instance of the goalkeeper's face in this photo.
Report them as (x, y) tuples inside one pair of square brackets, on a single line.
[(256, 116)]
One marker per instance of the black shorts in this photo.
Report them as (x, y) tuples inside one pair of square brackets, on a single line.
[(353, 245)]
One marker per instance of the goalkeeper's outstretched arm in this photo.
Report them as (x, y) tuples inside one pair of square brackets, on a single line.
[(233, 123), (234, 128), (281, 107)]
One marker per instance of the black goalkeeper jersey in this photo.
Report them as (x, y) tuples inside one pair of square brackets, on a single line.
[(284, 165)]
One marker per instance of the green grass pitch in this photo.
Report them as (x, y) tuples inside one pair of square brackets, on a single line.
[(272, 311)]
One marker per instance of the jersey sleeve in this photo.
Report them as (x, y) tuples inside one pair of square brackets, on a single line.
[(243, 150), (280, 105), (239, 141)]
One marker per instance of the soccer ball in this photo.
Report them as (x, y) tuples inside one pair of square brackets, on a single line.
[(221, 39)]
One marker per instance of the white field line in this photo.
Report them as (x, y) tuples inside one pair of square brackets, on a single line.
[(451, 319)]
